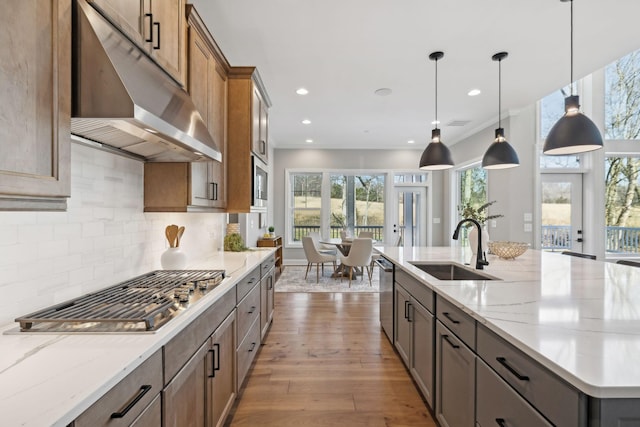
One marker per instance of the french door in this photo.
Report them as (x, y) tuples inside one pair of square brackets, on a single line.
[(409, 217), (561, 212)]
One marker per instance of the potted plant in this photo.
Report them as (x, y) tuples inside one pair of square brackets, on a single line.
[(272, 230)]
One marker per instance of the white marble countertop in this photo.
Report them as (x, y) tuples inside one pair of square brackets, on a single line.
[(50, 379), (579, 318)]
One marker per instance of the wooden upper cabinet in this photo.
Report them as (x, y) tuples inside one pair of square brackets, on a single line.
[(35, 83), (180, 187), (248, 103), (157, 26)]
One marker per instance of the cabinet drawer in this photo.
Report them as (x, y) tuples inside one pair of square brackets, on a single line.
[(247, 283), (495, 400), (417, 289), (267, 265), (248, 311), (152, 416), (558, 401), (129, 397), (180, 349), (247, 351), (460, 323)]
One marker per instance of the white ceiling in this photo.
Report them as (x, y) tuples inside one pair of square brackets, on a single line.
[(343, 50)]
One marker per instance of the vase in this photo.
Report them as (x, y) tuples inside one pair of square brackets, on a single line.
[(173, 259), (473, 240)]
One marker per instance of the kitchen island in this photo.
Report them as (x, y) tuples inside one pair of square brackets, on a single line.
[(52, 378), (577, 318)]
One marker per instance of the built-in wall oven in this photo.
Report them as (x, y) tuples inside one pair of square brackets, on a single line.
[(259, 194), (386, 295)]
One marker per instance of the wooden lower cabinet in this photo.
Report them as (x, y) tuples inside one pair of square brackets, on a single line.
[(184, 397), (267, 295), (455, 380), (133, 401), (221, 384)]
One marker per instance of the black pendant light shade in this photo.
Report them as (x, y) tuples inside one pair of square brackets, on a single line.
[(436, 156), (500, 154), (574, 133)]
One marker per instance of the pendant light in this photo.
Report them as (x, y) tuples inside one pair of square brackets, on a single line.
[(574, 132), (436, 156), (500, 154)]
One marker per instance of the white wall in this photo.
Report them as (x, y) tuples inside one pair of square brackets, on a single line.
[(102, 239), (349, 159)]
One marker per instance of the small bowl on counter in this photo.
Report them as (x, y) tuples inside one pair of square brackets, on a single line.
[(508, 250)]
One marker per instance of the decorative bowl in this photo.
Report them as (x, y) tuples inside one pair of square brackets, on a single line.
[(508, 250)]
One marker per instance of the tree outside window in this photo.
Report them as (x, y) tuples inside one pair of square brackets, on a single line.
[(622, 123)]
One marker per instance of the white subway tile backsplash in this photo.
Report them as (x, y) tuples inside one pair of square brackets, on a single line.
[(102, 239)]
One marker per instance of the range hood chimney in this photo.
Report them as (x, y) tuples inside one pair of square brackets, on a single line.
[(123, 99)]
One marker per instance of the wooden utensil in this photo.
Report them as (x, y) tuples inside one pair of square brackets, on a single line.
[(179, 236), (172, 233)]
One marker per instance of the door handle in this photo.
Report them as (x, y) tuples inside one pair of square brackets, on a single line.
[(150, 16), (157, 46)]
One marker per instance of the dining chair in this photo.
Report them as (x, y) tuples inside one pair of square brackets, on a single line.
[(579, 254), (321, 247), (359, 256), (628, 262), (365, 234), (315, 257)]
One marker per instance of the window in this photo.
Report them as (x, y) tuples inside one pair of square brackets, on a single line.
[(622, 98), (354, 202), (357, 204), (472, 190), (622, 205), (305, 204)]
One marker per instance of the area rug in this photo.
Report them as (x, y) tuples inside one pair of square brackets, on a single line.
[(292, 280)]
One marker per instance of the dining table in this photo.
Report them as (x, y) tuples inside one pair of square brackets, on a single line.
[(344, 246)]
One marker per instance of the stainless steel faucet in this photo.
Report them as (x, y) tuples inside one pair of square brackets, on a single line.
[(481, 258)]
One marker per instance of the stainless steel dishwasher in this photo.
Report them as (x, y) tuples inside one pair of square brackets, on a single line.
[(386, 296)]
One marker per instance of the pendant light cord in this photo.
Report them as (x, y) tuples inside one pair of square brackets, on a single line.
[(499, 92), (571, 38), (436, 93)]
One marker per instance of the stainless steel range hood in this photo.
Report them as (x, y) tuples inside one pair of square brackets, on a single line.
[(123, 99)]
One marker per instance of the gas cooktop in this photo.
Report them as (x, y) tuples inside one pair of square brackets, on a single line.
[(142, 304)]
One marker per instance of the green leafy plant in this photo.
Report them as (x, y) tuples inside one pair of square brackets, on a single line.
[(272, 229), (467, 210), (233, 243)]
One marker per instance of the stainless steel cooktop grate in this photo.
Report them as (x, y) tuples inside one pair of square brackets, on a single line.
[(141, 304)]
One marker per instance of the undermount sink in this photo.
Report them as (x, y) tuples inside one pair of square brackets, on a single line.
[(449, 271)]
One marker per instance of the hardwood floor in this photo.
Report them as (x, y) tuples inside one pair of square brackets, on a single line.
[(326, 362)]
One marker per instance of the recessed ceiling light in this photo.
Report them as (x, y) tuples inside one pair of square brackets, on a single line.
[(411, 141), (385, 91), (306, 122), (435, 122), (309, 141), (302, 91), (474, 92)]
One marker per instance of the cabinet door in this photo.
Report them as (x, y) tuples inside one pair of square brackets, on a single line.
[(166, 44), (184, 397), (422, 322), (455, 380), (496, 400), (200, 184), (402, 324), (218, 128), (266, 300), (128, 15), (35, 83), (221, 387)]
